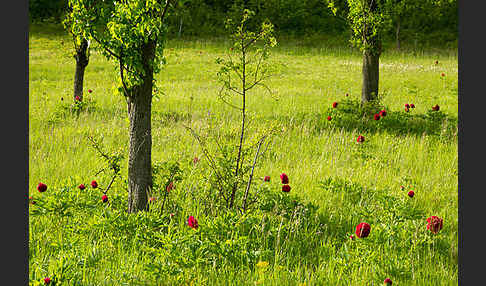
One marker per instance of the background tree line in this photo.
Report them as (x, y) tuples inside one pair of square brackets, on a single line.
[(415, 21)]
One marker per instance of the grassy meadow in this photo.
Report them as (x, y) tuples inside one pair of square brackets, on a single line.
[(79, 240)]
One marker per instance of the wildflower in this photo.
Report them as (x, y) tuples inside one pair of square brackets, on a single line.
[(382, 113), (41, 187), (192, 222), (434, 224), (329, 118), (90, 91), (412, 105), (47, 280), (77, 98), (442, 74), (82, 187), (104, 198), (170, 187), (376, 117), (436, 107), (266, 179), (284, 178), (195, 160), (363, 230), (334, 104), (387, 281), (286, 188), (407, 105), (360, 139), (411, 194), (407, 110), (94, 184)]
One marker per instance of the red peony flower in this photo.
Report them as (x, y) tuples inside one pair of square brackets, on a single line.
[(376, 116), (104, 198), (411, 194), (41, 187), (363, 230), (192, 222), (329, 118), (94, 184), (90, 91), (412, 105), (436, 107), (266, 179), (286, 188), (82, 187), (434, 224), (334, 104), (382, 113), (170, 187), (47, 280), (77, 98), (407, 105), (360, 139), (284, 178), (388, 281)]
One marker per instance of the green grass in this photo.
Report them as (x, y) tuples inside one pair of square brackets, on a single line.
[(100, 245)]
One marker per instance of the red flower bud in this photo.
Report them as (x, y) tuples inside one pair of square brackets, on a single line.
[(407, 105), (383, 113), (192, 222), (436, 107), (284, 178), (329, 118), (90, 91), (104, 198), (334, 104), (387, 281), (286, 188), (434, 224), (411, 194), (363, 230), (94, 184), (412, 105), (376, 116), (47, 280), (266, 179), (41, 187), (360, 139), (82, 187), (77, 98)]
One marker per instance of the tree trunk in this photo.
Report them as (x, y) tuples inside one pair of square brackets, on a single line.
[(140, 131), (371, 75), (397, 34), (82, 61)]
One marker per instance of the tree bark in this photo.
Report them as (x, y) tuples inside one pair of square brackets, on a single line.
[(371, 76), (82, 61), (140, 132)]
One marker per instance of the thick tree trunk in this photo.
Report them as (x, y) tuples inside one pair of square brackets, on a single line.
[(140, 148), (82, 61), (371, 75)]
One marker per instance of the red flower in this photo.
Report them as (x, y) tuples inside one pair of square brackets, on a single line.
[(442, 74), (388, 281), (81, 187), (329, 118), (412, 105), (94, 184), (77, 98), (47, 280), (286, 188), (90, 91), (170, 187), (376, 116), (407, 105), (284, 178), (41, 187), (334, 104), (360, 139), (351, 237), (104, 198), (434, 224), (192, 222), (266, 179), (363, 230), (436, 107), (411, 194), (382, 113)]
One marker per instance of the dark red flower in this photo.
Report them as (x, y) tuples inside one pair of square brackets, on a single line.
[(104, 198), (284, 178), (411, 194), (82, 187), (329, 118), (170, 187), (41, 187), (360, 139), (90, 91), (351, 237), (388, 281), (47, 280), (376, 116), (442, 74), (412, 105), (94, 184), (334, 104), (383, 113), (434, 224), (436, 107), (363, 230), (407, 105), (266, 179), (286, 188), (347, 94), (77, 98), (192, 222)]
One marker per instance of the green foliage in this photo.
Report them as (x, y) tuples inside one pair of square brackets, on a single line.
[(42, 10)]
